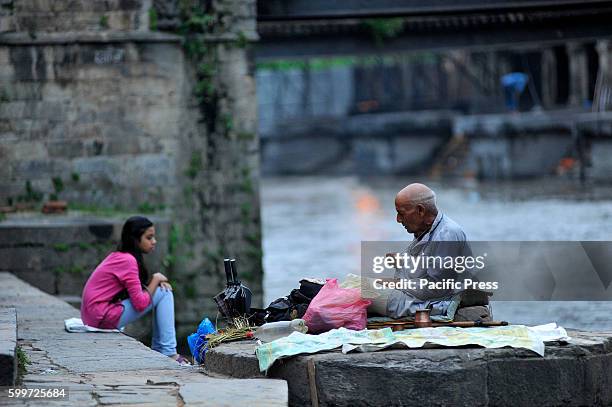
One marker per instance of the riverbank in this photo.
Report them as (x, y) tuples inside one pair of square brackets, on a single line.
[(112, 368)]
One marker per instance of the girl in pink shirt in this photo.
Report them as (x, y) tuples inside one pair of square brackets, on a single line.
[(122, 274)]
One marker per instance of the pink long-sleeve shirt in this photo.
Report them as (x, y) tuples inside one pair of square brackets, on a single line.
[(117, 272)]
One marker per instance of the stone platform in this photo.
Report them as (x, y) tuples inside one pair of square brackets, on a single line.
[(112, 368), (578, 373), (8, 346)]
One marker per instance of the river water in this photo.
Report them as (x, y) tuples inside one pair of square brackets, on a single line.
[(313, 227)]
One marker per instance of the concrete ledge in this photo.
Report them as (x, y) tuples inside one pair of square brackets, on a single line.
[(58, 253), (8, 346), (579, 373), (112, 368), (87, 37)]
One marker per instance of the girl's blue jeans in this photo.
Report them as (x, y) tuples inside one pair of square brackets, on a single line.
[(164, 334)]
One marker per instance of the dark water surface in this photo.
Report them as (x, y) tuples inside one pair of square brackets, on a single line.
[(313, 227)]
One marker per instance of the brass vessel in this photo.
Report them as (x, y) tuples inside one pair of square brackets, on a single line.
[(422, 319)]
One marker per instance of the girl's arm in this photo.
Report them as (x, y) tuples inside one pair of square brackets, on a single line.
[(155, 280), (129, 276)]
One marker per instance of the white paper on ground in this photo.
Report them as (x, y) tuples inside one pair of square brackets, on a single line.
[(76, 325)]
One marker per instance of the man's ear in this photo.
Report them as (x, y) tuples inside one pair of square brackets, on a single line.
[(421, 209)]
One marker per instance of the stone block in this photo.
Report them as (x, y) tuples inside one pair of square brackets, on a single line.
[(535, 381), (43, 281), (22, 258), (29, 63), (65, 149), (8, 346), (4, 55), (72, 283), (13, 110), (7, 23), (46, 231), (23, 90), (226, 393), (574, 374)]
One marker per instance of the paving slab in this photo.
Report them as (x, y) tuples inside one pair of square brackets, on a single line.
[(575, 374), (8, 346), (112, 368)]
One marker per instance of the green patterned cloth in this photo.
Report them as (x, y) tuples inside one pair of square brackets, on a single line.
[(515, 336)]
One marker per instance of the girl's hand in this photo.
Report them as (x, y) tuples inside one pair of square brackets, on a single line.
[(165, 286), (160, 277), (157, 280)]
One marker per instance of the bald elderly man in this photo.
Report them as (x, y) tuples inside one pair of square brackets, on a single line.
[(435, 234)]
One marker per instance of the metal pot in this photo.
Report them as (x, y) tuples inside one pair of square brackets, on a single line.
[(422, 319)]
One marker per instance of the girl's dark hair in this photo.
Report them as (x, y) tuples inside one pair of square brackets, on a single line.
[(131, 233)]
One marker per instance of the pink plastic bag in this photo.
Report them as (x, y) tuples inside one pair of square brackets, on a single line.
[(335, 307)]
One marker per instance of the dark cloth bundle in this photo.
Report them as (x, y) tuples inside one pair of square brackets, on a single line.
[(295, 304)]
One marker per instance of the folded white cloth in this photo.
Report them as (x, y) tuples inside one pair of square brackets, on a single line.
[(76, 325)]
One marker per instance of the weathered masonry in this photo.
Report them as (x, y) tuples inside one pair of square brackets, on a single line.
[(100, 107)]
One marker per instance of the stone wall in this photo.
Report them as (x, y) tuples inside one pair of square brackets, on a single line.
[(57, 254), (103, 118), (100, 109), (60, 16)]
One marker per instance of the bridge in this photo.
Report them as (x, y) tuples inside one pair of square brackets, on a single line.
[(407, 56), (307, 28)]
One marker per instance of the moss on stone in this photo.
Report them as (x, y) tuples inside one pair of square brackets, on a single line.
[(76, 269), (58, 184), (31, 194), (254, 253), (253, 239), (228, 122), (241, 41), (116, 211), (22, 363), (72, 269), (247, 186), (61, 247), (84, 246), (103, 21), (190, 291), (153, 19), (384, 28), (4, 96), (245, 136), (147, 207), (195, 165)]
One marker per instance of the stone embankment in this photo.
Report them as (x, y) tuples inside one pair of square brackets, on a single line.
[(107, 368), (8, 346), (575, 374)]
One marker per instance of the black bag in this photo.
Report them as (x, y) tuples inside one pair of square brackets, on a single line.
[(297, 297), (279, 310), (310, 289), (295, 305)]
